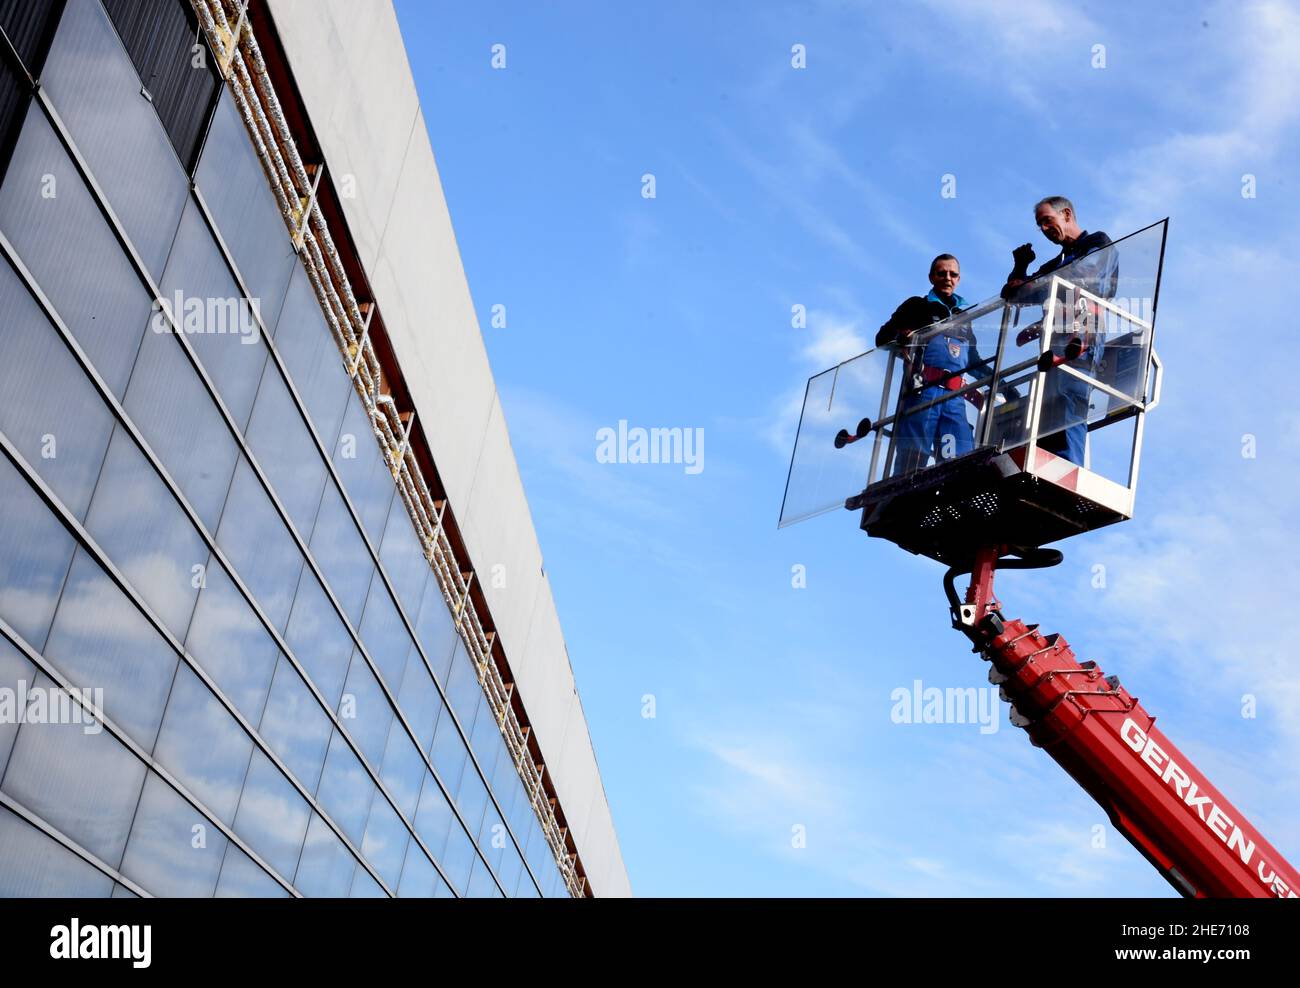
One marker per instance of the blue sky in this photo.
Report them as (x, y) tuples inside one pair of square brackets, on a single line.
[(821, 186)]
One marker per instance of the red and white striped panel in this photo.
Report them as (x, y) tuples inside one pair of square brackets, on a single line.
[(1049, 466)]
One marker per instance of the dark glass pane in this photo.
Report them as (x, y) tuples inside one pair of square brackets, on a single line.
[(203, 746), (174, 850), (138, 523), (34, 553), (272, 816), (29, 25), (231, 644), (295, 727), (94, 86), (236, 189), (48, 407), (202, 297), (280, 441), (52, 221), (100, 639), (79, 779), (164, 392), (254, 539), (312, 358), (37, 866)]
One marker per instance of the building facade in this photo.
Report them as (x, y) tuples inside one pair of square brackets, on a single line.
[(273, 619)]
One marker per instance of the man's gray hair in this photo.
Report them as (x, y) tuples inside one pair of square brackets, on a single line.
[(1056, 202)]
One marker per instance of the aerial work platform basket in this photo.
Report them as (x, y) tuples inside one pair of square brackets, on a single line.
[(1063, 369)]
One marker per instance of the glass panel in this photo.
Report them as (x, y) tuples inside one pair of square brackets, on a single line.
[(272, 816), (403, 769), (420, 879), (164, 392), (174, 850), (53, 223), (364, 886), (231, 644), (34, 554), (16, 675), (419, 700), (384, 634), (362, 469), (436, 630), (365, 711), (481, 884), (463, 690), (140, 526), (484, 738), (48, 407), (433, 818), (241, 878), (203, 299), (203, 746), (384, 844), (235, 187), (79, 779), (505, 779), (325, 869), (511, 869), (492, 837), (345, 789), (449, 754), (312, 358), (100, 639), (94, 86), (122, 892), (338, 550), (36, 866), (403, 559), (472, 800), (291, 461), (295, 726), (258, 545), (458, 858), (318, 639)]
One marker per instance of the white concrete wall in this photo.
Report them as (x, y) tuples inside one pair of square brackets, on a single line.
[(350, 65)]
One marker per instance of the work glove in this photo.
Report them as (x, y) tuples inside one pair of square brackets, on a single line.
[(1023, 256)]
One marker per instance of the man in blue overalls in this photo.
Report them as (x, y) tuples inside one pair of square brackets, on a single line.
[(942, 430), (1065, 397)]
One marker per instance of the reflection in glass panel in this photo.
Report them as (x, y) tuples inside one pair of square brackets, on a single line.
[(492, 837), (318, 639), (419, 700), (203, 746), (472, 800), (234, 186), (36, 866), (230, 643), (420, 879), (384, 634), (280, 441), (242, 878), (403, 559), (338, 550), (140, 526), (483, 739), (79, 779), (436, 630), (510, 870), (481, 883), (49, 410), (16, 674), (101, 640), (272, 816), (103, 304), (254, 539), (165, 391), (362, 469), (457, 859), (364, 710), (345, 789), (364, 885), (174, 850), (326, 865), (449, 755), (403, 769), (294, 725), (215, 319), (34, 554), (506, 784), (384, 844), (96, 90), (463, 690), (122, 892), (433, 817), (311, 357)]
